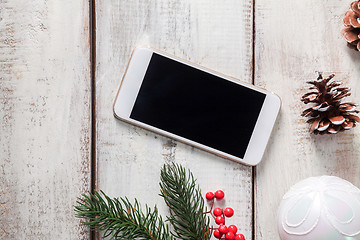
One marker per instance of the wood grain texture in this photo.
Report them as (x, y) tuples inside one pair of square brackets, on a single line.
[(214, 34), (293, 40), (44, 118)]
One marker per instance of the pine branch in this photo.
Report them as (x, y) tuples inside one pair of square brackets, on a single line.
[(119, 219), (184, 198)]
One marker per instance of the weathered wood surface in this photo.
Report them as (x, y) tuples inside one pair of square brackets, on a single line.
[(217, 35), (44, 118), (45, 93), (293, 40)]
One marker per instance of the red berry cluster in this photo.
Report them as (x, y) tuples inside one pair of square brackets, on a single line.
[(223, 231)]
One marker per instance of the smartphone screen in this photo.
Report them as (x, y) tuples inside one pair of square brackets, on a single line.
[(196, 105)]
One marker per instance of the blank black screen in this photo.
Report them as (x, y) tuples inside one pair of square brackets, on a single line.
[(197, 105)]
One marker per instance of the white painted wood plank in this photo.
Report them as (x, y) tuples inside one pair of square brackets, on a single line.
[(214, 34), (44, 118), (293, 40)]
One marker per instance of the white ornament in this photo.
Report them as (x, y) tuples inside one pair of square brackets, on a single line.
[(320, 208)]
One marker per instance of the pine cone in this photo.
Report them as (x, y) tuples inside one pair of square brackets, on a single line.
[(329, 115), (351, 32)]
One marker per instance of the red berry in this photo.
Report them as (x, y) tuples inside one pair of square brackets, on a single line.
[(239, 237), (223, 229), (219, 194), (230, 236), (219, 220), (209, 195), (229, 212), (217, 233), (232, 228), (217, 212)]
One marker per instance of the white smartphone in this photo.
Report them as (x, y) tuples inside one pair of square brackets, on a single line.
[(196, 106)]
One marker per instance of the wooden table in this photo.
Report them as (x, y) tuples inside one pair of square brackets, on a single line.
[(61, 63)]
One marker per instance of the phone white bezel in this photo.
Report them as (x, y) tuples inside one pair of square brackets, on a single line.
[(131, 84)]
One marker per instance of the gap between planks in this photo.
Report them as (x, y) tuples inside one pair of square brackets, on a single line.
[(253, 187), (93, 164)]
